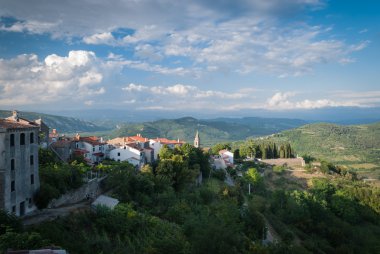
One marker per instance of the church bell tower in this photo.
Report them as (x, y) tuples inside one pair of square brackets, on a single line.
[(197, 141)]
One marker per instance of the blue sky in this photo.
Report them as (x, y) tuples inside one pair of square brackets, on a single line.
[(196, 56)]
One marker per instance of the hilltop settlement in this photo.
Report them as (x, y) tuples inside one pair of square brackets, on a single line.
[(139, 194)]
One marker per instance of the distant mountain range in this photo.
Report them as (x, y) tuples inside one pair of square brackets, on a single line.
[(61, 123), (339, 115), (211, 131)]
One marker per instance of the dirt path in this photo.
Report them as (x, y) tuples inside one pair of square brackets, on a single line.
[(50, 214)]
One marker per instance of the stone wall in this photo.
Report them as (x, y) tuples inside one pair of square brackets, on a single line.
[(89, 190)]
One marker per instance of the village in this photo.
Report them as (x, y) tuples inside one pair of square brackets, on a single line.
[(21, 139)]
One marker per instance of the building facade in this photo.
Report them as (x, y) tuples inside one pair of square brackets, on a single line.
[(92, 148), (19, 178)]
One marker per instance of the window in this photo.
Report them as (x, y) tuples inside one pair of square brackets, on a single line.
[(31, 160), (22, 139), (12, 141), (118, 154), (14, 209), (13, 187), (93, 149), (32, 138), (12, 164), (31, 179), (30, 201)]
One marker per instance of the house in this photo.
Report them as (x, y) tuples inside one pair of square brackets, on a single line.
[(138, 140), (158, 143), (92, 148), (128, 152), (19, 179), (228, 157), (53, 136)]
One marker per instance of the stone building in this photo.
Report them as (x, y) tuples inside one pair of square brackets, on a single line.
[(19, 179)]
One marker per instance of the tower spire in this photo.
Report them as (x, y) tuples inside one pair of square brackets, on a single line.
[(197, 141)]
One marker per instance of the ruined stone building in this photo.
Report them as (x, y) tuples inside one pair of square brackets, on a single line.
[(19, 179)]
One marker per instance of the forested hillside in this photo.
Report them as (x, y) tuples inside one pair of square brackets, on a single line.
[(357, 146), (211, 131)]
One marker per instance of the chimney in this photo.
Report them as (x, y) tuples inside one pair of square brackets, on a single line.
[(15, 115)]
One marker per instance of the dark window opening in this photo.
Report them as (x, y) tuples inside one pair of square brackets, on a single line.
[(118, 154), (22, 139), (31, 160), (32, 179), (93, 149), (12, 164), (32, 138), (13, 187), (12, 140), (14, 209)]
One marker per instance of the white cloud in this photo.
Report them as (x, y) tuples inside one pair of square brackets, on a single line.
[(281, 101), (147, 51), (30, 26), (130, 101), (25, 80), (133, 87), (100, 38), (227, 36), (180, 90)]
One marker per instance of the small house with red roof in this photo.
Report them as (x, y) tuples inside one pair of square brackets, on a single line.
[(92, 148)]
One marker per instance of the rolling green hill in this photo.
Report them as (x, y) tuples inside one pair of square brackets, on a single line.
[(61, 123), (357, 146), (211, 131)]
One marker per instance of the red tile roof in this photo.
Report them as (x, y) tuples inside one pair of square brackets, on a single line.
[(95, 141), (139, 138), (169, 142)]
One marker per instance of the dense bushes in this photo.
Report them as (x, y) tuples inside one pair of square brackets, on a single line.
[(57, 178)]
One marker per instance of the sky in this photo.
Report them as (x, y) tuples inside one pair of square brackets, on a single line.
[(189, 56)]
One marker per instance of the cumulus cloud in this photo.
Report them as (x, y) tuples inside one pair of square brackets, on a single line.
[(180, 90), (101, 38), (228, 36), (29, 26), (185, 97), (282, 101), (27, 80)]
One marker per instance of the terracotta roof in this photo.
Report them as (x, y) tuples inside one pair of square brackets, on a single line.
[(91, 140), (139, 138), (98, 154), (11, 124), (168, 141)]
